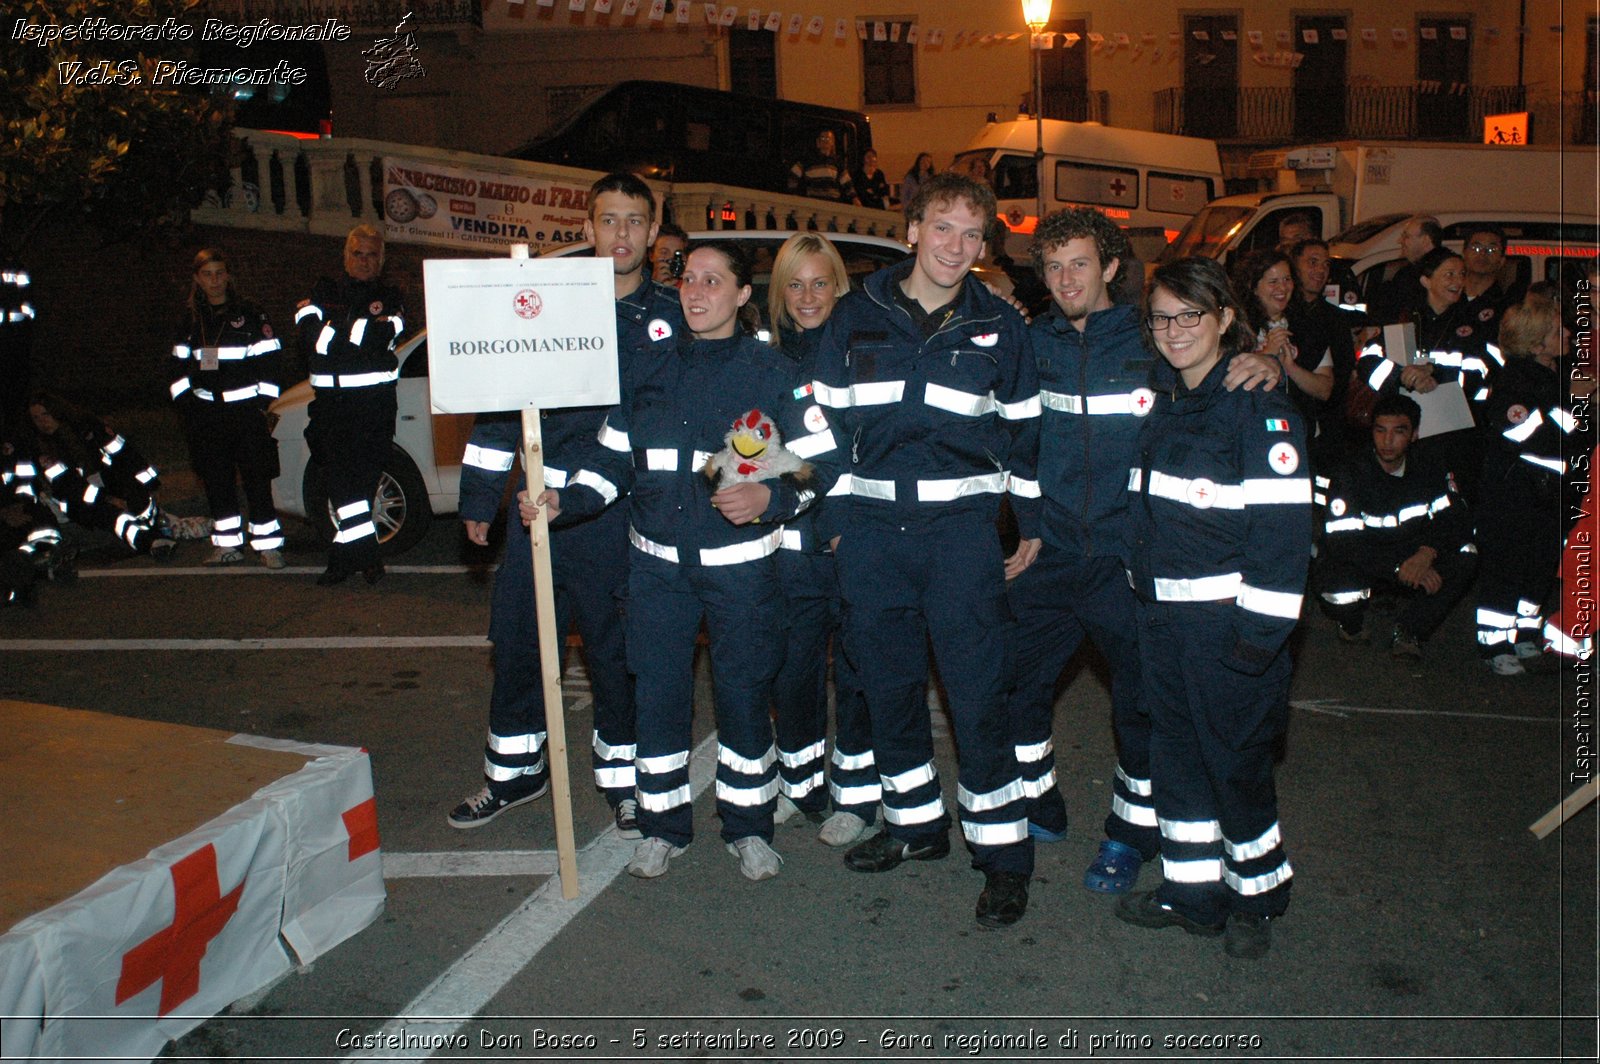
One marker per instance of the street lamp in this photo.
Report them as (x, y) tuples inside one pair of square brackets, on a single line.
[(1036, 13)]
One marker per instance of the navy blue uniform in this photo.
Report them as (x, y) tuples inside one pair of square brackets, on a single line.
[(225, 373), (1218, 538), (347, 334), (1377, 520), (25, 549), (800, 693), (940, 414), (689, 563), (16, 345), (1520, 521), (1459, 348), (1094, 393), (589, 566)]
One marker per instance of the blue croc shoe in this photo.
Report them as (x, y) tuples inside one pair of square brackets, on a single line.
[(1115, 869), (1044, 834)]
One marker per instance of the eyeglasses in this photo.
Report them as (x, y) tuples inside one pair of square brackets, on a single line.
[(1485, 249), (1186, 319)]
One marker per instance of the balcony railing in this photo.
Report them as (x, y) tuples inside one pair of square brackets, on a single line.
[(1389, 113), (1070, 105), (324, 186)]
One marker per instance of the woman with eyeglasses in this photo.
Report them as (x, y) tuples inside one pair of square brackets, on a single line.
[(1217, 542), (704, 551), (808, 279)]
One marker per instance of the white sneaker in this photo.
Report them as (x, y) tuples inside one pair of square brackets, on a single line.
[(650, 858), (785, 809), (272, 559), (224, 556), (841, 829), (757, 860), (1506, 665)]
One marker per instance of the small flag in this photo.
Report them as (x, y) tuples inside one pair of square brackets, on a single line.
[(1273, 424)]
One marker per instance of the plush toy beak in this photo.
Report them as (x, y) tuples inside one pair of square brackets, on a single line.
[(748, 445)]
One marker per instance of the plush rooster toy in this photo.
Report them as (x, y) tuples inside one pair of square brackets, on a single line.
[(753, 450)]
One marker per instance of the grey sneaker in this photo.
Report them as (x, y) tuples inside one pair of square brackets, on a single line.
[(785, 809), (627, 818), (224, 556), (1506, 665), (650, 858), (272, 559), (757, 860), (841, 829)]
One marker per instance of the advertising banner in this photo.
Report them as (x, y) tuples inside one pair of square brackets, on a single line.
[(425, 202)]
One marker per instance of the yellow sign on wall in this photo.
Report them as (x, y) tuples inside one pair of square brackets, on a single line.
[(1506, 129)]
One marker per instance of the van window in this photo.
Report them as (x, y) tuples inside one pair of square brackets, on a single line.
[(1176, 193), (1014, 177), (1103, 186), (1206, 232)]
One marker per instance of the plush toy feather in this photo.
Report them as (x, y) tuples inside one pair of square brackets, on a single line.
[(753, 450)]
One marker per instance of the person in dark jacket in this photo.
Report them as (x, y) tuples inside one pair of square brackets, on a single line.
[(700, 553), (808, 277), (1094, 393), (348, 328), (932, 382), (225, 374), (1529, 425), (1218, 536), (588, 546), (1395, 522), (871, 184)]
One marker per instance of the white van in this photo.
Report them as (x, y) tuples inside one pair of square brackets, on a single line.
[(1151, 184)]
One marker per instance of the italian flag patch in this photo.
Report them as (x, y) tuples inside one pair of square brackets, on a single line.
[(802, 391), (1277, 424)]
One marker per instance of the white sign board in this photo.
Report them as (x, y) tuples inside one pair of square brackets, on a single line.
[(427, 202), (1445, 408), (505, 334)]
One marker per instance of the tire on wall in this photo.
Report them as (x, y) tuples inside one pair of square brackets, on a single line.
[(400, 507)]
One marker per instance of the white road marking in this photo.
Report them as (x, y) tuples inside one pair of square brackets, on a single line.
[(325, 642), (472, 863), (244, 569), (468, 985), (1333, 707)]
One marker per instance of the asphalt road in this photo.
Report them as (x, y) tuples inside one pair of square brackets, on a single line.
[(1427, 922)]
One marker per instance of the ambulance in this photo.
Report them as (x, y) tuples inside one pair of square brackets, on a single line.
[(1151, 184)]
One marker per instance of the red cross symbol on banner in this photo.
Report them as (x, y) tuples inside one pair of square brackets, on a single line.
[(172, 955), (1118, 187)]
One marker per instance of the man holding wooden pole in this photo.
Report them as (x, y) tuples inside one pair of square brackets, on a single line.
[(589, 554)]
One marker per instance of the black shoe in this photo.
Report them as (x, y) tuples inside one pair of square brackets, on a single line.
[(373, 573), (883, 852), (1004, 899), (331, 576), (1248, 936), (478, 809), (161, 549), (1144, 910)]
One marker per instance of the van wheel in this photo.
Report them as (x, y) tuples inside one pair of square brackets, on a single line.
[(400, 508)]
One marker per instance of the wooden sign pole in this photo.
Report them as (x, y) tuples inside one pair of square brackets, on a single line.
[(549, 649), (1563, 812)]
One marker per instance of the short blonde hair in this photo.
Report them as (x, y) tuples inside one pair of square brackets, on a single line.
[(365, 232), (787, 264), (1523, 327)]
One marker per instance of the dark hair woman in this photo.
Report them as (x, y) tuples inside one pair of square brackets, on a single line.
[(1218, 539), (224, 375)]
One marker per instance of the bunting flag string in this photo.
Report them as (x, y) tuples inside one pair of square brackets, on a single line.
[(1271, 47)]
